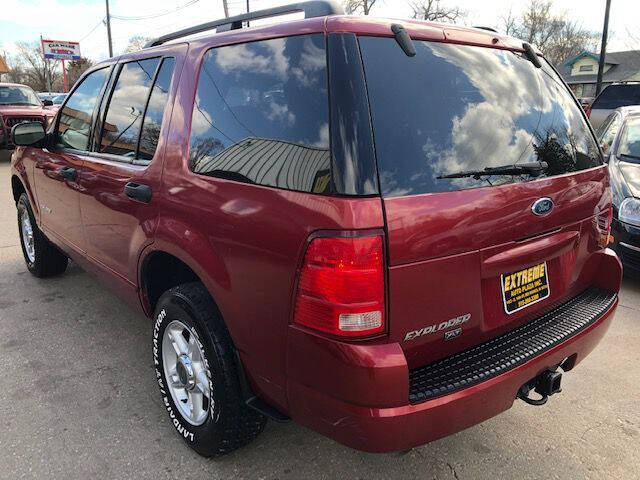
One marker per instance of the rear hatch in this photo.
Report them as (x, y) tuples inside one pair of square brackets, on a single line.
[(473, 255)]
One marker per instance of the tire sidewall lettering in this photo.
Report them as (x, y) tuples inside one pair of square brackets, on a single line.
[(157, 340)]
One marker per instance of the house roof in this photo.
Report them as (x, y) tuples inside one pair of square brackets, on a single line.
[(623, 65)]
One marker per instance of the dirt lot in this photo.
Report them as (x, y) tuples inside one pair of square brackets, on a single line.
[(79, 400)]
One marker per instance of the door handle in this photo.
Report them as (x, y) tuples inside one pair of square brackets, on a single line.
[(69, 173), (138, 191)]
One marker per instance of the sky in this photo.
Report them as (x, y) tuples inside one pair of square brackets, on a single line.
[(81, 20)]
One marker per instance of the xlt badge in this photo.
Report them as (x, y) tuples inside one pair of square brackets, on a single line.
[(437, 327)]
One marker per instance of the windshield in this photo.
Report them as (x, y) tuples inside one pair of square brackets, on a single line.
[(629, 149), (458, 108), (18, 96)]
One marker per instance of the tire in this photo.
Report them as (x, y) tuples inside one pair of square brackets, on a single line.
[(42, 257), (226, 423)]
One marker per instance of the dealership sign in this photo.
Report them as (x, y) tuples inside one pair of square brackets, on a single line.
[(60, 50)]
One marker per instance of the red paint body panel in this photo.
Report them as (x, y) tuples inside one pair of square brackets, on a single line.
[(245, 242), (401, 428)]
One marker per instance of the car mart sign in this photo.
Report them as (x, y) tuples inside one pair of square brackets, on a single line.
[(61, 50)]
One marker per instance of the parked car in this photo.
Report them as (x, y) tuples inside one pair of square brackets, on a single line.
[(619, 138), (612, 97), (378, 230), (18, 104), (48, 95), (59, 99), (585, 102)]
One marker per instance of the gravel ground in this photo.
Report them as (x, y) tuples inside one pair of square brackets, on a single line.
[(79, 400)]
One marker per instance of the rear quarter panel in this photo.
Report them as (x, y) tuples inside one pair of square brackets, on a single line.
[(245, 242)]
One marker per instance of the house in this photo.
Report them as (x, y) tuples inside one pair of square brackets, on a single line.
[(581, 71)]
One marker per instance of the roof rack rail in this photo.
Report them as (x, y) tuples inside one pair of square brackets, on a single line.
[(313, 8), (481, 27)]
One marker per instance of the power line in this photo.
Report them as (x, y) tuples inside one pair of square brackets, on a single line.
[(93, 29), (155, 15)]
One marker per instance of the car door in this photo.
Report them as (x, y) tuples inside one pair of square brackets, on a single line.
[(122, 174), (57, 167)]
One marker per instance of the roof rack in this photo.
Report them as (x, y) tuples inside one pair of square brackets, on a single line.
[(481, 27), (314, 8)]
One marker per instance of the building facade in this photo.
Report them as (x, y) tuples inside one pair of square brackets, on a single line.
[(581, 71)]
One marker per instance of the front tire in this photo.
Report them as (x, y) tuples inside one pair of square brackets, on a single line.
[(43, 259), (197, 374)]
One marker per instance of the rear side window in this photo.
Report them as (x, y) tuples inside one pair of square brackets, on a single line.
[(615, 96), (455, 108), (261, 114), (155, 111), (126, 108), (75, 119)]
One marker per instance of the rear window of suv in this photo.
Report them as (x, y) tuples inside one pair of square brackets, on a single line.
[(456, 108), (615, 96), (261, 114)]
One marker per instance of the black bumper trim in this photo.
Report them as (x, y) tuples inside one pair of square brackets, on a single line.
[(509, 350)]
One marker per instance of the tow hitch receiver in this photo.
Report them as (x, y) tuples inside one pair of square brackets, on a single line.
[(545, 385)]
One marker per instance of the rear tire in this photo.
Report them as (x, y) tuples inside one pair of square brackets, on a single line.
[(193, 355), (43, 259)]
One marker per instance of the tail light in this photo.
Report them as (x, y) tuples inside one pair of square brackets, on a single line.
[(603, 224), (341, 286)]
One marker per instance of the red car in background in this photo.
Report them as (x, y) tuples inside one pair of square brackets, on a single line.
[(20, 104)]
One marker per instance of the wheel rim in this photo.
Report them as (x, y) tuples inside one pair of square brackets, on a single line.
[(186, 372), (27, 236)]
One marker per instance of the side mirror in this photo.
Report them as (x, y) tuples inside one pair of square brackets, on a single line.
[(25, 134), (47, 103)]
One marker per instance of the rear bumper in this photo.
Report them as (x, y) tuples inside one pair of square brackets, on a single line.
[(358, 395)]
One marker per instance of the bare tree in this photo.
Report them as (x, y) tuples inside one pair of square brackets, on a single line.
[(359, 6), (136, 43), (434, 11), (509, 23), (538, 24), (37, 70), (554, 33)]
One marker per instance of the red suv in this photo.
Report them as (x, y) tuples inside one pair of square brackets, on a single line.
[(386, 231), (19, 104)]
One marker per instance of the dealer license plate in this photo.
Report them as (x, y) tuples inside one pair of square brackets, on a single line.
[(524, 287)]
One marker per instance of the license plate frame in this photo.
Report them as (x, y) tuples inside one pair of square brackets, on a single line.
[(524, 287)]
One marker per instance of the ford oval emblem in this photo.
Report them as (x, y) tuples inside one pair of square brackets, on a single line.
[(542, 206)]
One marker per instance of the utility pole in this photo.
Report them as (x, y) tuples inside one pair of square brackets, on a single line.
[(226, 8), (109, 30), (603, 48), (47, 72), (247, 6)]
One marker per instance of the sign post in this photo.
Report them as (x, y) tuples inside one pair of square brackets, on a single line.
[(61, 50)]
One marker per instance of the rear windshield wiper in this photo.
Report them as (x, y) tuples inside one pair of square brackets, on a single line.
[(534, 168)]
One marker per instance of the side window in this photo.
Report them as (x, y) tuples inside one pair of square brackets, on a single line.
[(261, 114), (126, 107), (155, 111), (608, 133), (75, 119)]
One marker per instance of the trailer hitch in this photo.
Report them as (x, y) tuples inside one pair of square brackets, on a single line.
[(545, 385)]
